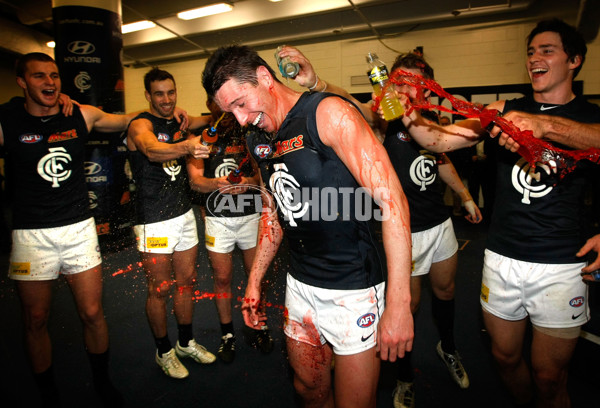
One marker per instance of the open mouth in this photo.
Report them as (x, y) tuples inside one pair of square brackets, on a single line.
[(538, 72), (49, 92), (258, 119)]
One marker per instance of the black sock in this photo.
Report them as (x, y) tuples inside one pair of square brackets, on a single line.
[(185, 334), (163, 345), (405, 368), (227, 328), (443, 316), (47, 387), (108, 394)]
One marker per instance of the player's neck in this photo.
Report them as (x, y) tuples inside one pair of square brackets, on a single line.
[(35, 109), (558, 96), (158, 115)]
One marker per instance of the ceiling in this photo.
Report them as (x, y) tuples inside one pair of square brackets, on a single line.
[(262, 24)]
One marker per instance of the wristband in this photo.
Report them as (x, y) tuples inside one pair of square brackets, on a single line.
[(310, 88)]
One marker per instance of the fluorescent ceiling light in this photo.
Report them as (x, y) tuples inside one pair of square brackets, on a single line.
[(205, 11), (137, 26), (50, 44)]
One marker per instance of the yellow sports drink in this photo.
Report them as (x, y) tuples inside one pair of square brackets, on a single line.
[(379, 77)]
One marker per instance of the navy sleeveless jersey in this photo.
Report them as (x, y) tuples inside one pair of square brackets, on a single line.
[(45, 166), (539, 221), (417, 169), (327, 219), (231, 152), (161, 188)]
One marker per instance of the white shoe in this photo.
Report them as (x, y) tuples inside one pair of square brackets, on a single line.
[(455, 367), (171, 365), (196, 352), (404, 395)]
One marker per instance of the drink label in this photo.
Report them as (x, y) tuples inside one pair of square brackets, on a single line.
[(378, 75)]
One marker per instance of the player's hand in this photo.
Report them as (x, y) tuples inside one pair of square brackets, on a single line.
[(253, 317), (197, 149), (67, 104), (181, 116), (395, 335), (307, 76), (503, 139), (474, 216), (592, 244), (527, 121), (402, 97)]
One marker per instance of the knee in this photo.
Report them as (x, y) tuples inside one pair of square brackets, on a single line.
[(222, 282), (506, 360), (159, 290), (36, 320), (313, 393), (445, 292), (92, 315), (549, 382)]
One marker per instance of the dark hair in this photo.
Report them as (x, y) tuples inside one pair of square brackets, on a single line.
[(23, 60), (413, 61), (237, 62), (572, 40), (156, 74)]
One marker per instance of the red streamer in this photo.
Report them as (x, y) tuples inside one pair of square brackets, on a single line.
[(532, 149)]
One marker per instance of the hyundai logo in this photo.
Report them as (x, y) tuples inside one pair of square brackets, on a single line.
[(92, 168), (81, 47)]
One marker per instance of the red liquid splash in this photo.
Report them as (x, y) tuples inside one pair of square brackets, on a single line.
[(531, 149)]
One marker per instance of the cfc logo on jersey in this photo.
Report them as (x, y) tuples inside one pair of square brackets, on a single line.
[(422, 170), (226, 167), (172, 168), (286, 190), (527, 180), (52, 167)]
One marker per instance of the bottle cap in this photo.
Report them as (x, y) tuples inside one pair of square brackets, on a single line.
[(209, 135)]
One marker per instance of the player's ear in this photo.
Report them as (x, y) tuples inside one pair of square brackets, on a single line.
[(21, 82), (263, 75), (575, 62)]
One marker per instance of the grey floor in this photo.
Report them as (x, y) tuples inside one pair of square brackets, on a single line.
[(253, 379)]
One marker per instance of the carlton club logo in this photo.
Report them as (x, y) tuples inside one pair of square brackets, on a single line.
[(82, 81), (225, 168), (421, 170), (172, 168), (285, 188), (526, 180), (51, 167)]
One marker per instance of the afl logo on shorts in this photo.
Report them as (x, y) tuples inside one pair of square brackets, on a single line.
[(163, 137), (366, 320), (262, 150), (577, 302), (29, 138)]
